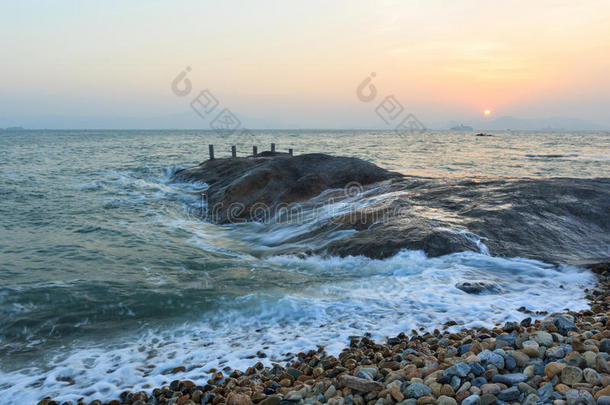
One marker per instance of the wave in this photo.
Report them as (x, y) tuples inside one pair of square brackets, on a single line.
[(551, 155), (350, 296)]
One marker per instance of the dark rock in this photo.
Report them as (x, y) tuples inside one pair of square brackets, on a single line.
[(478, 381), (563, 323), (477, 368), (439, 216), (464, 349), (276, 179), (478, 287), (604, 345), (510, 363), (294, 372)]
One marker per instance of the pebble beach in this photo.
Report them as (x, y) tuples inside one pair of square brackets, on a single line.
[(559, 358)]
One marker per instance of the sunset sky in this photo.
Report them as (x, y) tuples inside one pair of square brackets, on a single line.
[(296, 64)]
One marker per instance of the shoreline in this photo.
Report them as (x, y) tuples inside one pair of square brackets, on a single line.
[(512, 363)]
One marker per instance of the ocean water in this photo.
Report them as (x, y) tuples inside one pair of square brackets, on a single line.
[(108, 279)]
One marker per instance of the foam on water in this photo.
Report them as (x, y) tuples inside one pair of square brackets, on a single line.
[(352, 296)]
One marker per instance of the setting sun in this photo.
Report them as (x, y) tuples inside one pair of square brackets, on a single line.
[(487, 112)]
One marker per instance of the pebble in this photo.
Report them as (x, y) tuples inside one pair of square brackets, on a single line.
[(417, 390), (531, 348), (488, 399), (509, 394), (542, 338), (605, 400), (445, 400), (591, 376), (510, 379), (571, 375), (604, 345), (490, 389), (532, 399), (553, 368), (459, 370), (490, 357), (396, 394), (472, 400)]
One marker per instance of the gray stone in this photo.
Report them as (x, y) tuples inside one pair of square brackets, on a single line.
[(542, 338), (604, 345), (571, 375), (605, 400), (464, 348), (492, 358), (545, 392), (510, 363), (473, 400), (478, 287), (478, 381), (362, 374), (592, 376), (526, 388), (417, 390), (586, 397), (509, 394), (532, 399), (455, 382), (477, 368), (372, 371), (556, 352), (488, 399), (564, 323), (460, 370), (294, 372), (510, 379), (445, 400), (572, 397)]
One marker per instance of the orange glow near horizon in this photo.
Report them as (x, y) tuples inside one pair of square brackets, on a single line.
[(487, 112)]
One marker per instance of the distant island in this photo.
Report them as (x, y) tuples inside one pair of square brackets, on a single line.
[(12, 129), (461, 127)]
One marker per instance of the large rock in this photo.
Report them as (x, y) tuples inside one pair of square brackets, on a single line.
[(553, 220), (238, 187)]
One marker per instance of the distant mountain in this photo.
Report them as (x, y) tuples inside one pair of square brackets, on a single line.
[(522, 124), (544, 124)]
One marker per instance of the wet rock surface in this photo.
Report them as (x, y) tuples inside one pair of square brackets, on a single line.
[(238, 186), (556, 220)]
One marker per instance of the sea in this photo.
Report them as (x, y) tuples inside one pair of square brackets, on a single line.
[(109, 280)]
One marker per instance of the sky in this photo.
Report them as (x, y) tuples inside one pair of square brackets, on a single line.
[(296, 64)]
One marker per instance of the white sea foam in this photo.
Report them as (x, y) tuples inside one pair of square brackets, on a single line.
[(351, 296)]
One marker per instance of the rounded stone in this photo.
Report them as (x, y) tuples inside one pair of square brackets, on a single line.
[(531, 348), (571, 375), (445, 400), (592, 376), (553, 368), (472, 400)]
